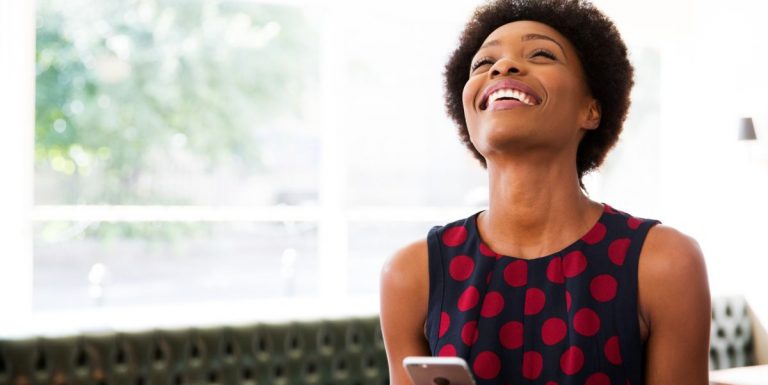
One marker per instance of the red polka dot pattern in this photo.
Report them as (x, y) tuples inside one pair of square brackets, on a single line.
[(596, 234), (445, 323), (533, 363), (454, 236), (617, 251), (603, 287), (486, 251), (461, 267), (469, 333), (613, 351), (516, 273), (598, 379), (553, 331), (511, 335), (447, 351), (586, 322), (534, 301), (493, 304), (557, 319), (572, 360), (469, 298), (487, 365), (555, 270), (574, 263)]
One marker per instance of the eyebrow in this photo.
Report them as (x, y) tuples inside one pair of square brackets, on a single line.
[(530, 36)]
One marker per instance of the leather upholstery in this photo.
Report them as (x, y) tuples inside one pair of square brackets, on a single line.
[(343, 352), (731, 342)]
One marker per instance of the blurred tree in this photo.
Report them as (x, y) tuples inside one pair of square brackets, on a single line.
[(127, 87)]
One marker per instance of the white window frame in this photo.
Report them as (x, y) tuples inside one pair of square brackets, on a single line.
[(19, 213)]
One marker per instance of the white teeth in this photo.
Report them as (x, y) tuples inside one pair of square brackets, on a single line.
[(510, 93)]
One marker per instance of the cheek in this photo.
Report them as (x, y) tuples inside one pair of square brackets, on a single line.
[(468, 94)]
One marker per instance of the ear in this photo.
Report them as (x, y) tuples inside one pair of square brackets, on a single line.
[(592, 118)]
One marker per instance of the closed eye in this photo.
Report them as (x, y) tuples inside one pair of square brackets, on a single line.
[(480, 62), (545, 53)]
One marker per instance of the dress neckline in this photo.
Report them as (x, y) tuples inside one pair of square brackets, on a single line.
[(594, 227)]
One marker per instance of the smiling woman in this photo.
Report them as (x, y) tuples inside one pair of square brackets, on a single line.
[(547, 286)]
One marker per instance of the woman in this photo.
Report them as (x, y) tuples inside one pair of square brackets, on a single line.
[(547, 286)]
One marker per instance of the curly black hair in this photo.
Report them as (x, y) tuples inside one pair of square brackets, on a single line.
[(602, 52)]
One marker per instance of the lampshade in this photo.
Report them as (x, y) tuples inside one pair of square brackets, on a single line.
[(747, 129)]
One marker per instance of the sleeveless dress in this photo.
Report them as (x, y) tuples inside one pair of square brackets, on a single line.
[(568, 318)]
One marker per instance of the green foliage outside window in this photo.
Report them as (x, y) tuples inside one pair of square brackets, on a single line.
[(126, 87)]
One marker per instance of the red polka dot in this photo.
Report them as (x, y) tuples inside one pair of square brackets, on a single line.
[(461, 267), (487, 365), (534, 301), (633, 223), (551, 383), (603, 287), (555, 270), (493, 304), (485, 250), (469, 332), (598, 379), (511, 335), (469, 298), (609, 209), (553, 330), (568, 301), (572, 360), (574, 263), (533, 362), (596, 234), (586, 322), (445, 323), (618, 250), (454, 236), (612, 350), (447, 351), (516, 273)]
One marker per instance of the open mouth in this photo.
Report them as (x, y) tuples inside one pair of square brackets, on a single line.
[(510, 92), (508, 95)]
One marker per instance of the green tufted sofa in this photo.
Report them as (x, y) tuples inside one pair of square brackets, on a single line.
[(330, 352), (344, 352)]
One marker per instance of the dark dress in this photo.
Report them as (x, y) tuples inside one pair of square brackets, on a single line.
[(562, 319)]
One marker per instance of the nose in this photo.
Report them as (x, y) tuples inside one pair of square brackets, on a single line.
[(505, 67)]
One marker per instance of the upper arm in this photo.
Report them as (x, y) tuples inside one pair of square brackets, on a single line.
[(404, 302), (675, 300)]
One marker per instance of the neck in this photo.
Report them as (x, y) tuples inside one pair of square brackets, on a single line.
[(535, 208)]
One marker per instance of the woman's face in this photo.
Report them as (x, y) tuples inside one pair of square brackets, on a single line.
[(555, 106)]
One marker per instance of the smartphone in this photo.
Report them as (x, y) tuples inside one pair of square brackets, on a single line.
[(438, 371)]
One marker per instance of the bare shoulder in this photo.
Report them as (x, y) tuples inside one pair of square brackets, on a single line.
[(408, 265), (669, 254), (674, 303)]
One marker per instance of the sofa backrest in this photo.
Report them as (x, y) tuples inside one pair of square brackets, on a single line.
[(348, 352)]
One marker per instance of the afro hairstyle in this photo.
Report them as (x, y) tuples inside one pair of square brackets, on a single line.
[(602, 52)]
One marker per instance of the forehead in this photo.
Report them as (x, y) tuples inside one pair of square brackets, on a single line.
[(515, 30)]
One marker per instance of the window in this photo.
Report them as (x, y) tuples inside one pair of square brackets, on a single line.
[(210, 161)]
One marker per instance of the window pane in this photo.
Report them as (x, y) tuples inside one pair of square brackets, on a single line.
[(79, 264), (175, 102), (401, 147)]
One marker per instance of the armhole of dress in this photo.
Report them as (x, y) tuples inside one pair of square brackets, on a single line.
[(435, 302), (636, 248)]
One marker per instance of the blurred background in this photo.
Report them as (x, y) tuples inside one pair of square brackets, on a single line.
[(175, 162)]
